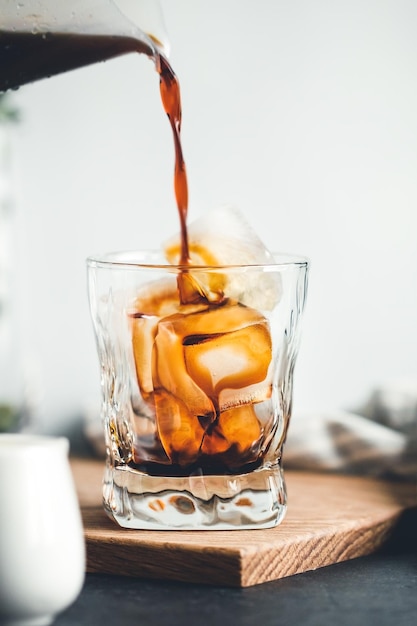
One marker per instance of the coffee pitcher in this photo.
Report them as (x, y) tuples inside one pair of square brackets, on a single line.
[(42, 38)]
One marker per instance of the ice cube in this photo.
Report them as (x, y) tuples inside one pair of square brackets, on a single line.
[(170, 368), (237, 430), (198, 356), (232, 359), (143, 336), (180, 431), (153, 301), (223, 237)]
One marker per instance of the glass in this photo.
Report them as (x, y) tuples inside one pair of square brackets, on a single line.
[(196, 397)]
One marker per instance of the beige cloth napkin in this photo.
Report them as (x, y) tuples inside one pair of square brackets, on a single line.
[(378, 439)]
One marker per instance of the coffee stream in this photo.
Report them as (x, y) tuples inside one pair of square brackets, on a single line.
[(189, 289), (171, 100)]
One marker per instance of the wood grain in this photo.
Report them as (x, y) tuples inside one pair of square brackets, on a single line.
[(330, 519)]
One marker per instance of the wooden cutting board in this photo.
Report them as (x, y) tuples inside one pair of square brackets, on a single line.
[(330, 519)]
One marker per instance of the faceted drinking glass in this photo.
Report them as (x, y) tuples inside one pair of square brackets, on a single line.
[(196, 393)]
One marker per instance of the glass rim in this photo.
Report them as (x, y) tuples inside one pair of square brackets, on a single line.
[(142, 259)]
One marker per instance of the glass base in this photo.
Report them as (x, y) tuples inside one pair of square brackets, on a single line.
[(230, 502)]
